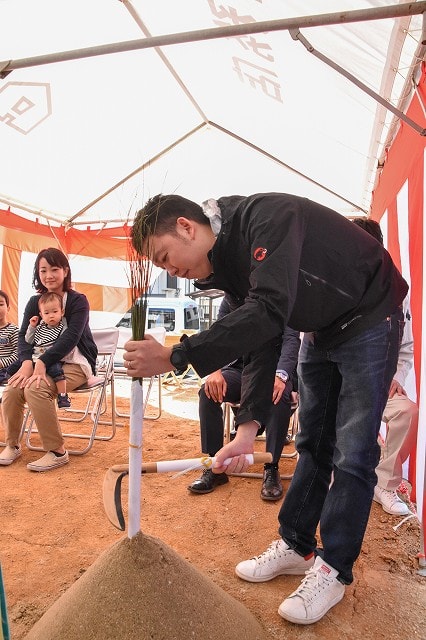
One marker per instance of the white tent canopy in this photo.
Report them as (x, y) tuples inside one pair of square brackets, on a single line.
[(88, 140)]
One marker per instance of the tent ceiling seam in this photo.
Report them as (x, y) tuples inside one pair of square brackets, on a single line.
[(71, 221), (131, 9), (287, 166), (231, 134), (142, 167)]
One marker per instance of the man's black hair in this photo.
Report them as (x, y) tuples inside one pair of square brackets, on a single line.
[(159, 216), (371, 226)]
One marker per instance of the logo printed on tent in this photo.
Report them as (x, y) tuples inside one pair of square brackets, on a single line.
[(24, 106)]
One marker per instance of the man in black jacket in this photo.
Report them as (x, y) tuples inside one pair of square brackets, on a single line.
[(290, 261)]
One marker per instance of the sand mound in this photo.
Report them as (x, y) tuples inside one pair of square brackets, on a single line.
[(141, 589)]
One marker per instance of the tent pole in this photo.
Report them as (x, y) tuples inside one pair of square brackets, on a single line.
[(359, 15), (296, 35)]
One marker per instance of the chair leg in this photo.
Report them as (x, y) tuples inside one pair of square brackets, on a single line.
[(83, 412), (96, 412), (171, 378), (146, 399), (227, 422)]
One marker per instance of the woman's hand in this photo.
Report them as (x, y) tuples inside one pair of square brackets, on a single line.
[(240, 445), (25, 371), (146, 358), (38, 375)]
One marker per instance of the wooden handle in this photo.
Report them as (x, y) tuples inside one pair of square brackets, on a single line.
[(176, 465), (262, 457), (147, 467)]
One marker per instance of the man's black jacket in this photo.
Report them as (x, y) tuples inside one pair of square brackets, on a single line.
[(290, 261)]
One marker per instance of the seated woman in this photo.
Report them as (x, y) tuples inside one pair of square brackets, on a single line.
[(30, 384)]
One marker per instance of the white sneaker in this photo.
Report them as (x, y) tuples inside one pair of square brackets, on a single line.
[(390, 502), (318, 592), (277, 560), (48, 461), (9, 455)]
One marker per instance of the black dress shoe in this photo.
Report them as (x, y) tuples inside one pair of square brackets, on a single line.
[(208, 482), (272, 488)]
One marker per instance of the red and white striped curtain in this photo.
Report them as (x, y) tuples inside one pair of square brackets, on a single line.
[(399, 205)]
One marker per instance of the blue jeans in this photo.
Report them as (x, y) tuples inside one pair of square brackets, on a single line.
[(343, 392)]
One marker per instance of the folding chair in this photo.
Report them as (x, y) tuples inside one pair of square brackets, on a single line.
[(171, 377), (106, 341), (148, 387)]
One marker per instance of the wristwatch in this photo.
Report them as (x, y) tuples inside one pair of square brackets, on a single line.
[(282, 376), (178, 358)]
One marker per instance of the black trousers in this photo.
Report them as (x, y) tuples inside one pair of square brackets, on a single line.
[(211, 417)]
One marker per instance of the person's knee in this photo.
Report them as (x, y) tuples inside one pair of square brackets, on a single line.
[(34, 394), (11, 395)]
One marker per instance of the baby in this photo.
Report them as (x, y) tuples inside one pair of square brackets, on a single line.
[(43, 335)]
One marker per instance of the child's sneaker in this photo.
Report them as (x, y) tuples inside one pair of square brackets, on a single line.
[(63, 401)]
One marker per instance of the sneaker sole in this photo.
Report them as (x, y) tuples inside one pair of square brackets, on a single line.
[(290, 572), (392, 513), (271, 498), (61, 463), (7, 462), (218, 483), (201, 491), (295, 620)]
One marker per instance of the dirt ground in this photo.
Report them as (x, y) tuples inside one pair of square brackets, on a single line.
[(53, 528)]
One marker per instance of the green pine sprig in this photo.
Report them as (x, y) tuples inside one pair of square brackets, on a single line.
[(140, 268)]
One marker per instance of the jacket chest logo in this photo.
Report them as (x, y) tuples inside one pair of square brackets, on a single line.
[(259, 254)]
